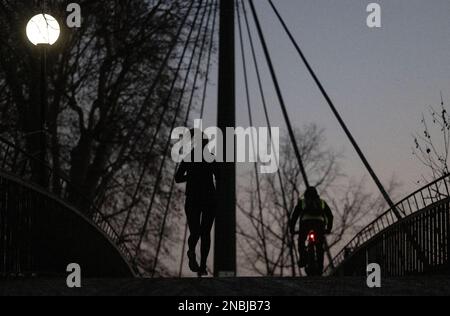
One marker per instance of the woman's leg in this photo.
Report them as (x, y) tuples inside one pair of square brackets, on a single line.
[(193, 214), (208, 217)]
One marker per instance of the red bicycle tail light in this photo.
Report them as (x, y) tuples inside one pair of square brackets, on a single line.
[(312, 236)]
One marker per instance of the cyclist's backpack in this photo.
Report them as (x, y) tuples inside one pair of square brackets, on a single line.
[(316, 208)]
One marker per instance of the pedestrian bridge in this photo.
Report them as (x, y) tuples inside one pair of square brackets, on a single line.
[(41, 232), (46, 223)]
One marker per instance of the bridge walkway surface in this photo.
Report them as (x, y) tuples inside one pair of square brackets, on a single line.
[(346, 286)]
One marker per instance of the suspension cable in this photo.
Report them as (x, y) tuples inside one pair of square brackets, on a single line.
[(166, 107), (167, 145), (173, 43), (202, 112), (191, 101), (180, 271), (336, 113), (293, 252), (211, 45), (250, 116), (166, 103), (151, 90), (160, 72), (279, 93)]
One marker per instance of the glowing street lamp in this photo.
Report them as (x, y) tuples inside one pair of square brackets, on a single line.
[(43, 31)]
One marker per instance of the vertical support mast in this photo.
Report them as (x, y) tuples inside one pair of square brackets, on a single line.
[(225, 231)]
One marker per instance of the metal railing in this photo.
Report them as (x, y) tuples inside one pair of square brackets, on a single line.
[(19, 163), (420, 200), (416, 245), (40, 234)]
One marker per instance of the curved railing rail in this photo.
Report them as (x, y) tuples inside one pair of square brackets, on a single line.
[(434, 192), (19, 163)]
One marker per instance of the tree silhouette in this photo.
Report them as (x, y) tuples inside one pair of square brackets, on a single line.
[(113, 86), (432, 144)]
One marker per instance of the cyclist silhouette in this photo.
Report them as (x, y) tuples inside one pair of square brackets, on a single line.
[(315, 215), (200, 203)]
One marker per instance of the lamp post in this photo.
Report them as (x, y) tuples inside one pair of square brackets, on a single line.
[(43, 31)]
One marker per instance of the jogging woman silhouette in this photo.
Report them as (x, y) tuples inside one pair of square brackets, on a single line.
[(200, 204)]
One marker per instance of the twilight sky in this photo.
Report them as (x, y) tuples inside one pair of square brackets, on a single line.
[(381, 80)]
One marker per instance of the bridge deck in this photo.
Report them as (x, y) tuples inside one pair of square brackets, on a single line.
[(231, 287)]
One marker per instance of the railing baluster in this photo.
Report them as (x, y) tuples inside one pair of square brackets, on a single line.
[(411, 211), (431, 195), (447, 234), (424, 201), (417, 204)]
